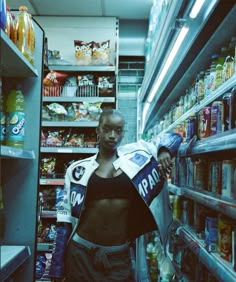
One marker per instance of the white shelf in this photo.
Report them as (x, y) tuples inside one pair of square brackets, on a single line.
[(11, 152), (69, 150), (221, 269), (78, 99), (80, 123), (11, 258)]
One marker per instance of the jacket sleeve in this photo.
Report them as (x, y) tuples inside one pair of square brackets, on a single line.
[(169, 141), (63, 232)]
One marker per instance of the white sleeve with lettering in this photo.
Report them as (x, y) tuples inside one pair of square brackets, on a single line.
[(64, 210)]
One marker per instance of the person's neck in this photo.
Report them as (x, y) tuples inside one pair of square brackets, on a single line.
[(107, 155)]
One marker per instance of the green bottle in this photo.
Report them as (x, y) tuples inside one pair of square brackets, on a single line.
[(15, 119)]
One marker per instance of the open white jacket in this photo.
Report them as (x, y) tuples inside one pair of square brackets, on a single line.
[(139, 161)]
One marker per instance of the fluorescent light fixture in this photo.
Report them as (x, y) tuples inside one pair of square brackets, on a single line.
[(183, 32), (196, 8)]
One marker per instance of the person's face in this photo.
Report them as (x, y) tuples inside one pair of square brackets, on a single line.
[(111, 132)]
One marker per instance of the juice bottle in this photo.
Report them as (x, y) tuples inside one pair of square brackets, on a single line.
[(31, 39), (10, 27), (15, 119), (2, 116), (23, 32)]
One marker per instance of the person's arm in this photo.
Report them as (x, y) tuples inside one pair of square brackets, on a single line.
[(168, 145)]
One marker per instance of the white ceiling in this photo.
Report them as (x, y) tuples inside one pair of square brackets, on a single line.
[(123, 9)]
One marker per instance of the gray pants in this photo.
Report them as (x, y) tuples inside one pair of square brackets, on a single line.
[(88, 262)]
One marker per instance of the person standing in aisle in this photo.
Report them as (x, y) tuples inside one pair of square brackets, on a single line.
[(111, 199)]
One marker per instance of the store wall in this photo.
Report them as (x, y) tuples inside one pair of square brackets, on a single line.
[(132, 35)]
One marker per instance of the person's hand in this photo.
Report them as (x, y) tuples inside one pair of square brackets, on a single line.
[(165, 163)]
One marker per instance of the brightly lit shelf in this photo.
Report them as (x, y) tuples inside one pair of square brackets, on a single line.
[(225, 87), (80, 123), (214, 201), (11, 152), (51, 181), (44, 247), (220, 268), (75, 150), (77, 68), (11, 258), (78, 99)]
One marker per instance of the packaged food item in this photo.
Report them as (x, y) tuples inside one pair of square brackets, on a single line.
[(57, 111), (225, 238), (211, 233), (70, 87), (216, 117), (229, 110), (101, 53), (87, 86), (83, 52), (53, 83), (215, 178), (228, 171), (15, 121), (106, 86), (204, 122)]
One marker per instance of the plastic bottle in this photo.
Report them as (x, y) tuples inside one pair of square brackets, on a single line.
[(23, 32), (2, 116), (15, 118), (10, 27)]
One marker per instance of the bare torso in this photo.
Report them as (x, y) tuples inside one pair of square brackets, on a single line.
[(105, 221)]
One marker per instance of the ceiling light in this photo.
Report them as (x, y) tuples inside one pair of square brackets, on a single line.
[(196, 8), (183, 32)]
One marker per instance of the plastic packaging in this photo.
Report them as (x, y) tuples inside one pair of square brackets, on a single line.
[(10, 27), (15, 119)]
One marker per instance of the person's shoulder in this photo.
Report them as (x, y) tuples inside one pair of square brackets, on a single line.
[(82, 162)]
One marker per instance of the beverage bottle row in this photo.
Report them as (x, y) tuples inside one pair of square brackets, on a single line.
[(20, 30), (12, 122)]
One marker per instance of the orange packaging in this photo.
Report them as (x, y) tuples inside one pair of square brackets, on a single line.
[(225, 238)]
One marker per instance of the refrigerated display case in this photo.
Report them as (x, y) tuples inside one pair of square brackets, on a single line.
[(160, 96)]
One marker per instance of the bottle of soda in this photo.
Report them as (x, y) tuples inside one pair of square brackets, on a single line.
[(23, 32), (15, 118)]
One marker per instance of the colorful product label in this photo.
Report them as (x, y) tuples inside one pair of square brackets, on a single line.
[(2, 127), (15, 126)]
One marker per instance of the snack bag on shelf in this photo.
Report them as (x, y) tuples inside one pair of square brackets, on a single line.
[(53, 83), (101, 53), (83, 52)]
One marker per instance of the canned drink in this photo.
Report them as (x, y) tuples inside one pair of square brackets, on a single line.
[(191, 127), (216, 117), (204, 122), (229, 110), (201, 174), (228, 171), (216, 177)]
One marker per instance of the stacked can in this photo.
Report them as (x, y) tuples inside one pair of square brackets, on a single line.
[(216, 117), (204, 122)]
